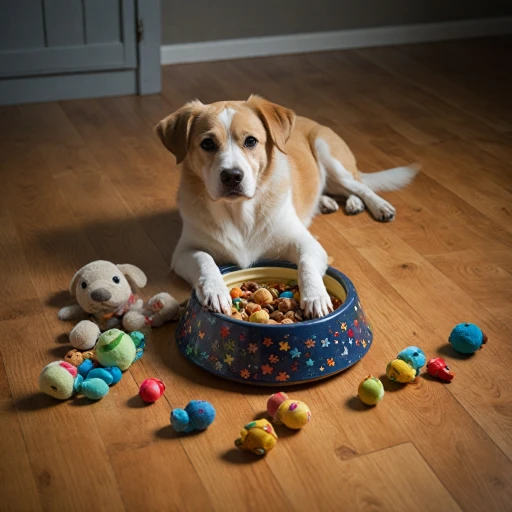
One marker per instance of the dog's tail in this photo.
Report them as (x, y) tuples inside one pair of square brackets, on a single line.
[(392, 179)]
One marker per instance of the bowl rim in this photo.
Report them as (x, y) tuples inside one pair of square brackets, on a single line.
[(331, 272)]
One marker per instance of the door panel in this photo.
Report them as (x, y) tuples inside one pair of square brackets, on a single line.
[(64, 22), (66, 36), (102, 21), (20, 24)]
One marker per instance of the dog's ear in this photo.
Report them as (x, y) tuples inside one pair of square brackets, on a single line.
[(134, 275), (278, 121), (174, 130), (72, 285)]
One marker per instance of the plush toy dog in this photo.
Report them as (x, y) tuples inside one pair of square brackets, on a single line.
[(107, 293)]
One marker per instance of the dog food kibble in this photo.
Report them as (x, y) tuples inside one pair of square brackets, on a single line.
[(235, 293), (259, 317), (262, 296), (278, 303)]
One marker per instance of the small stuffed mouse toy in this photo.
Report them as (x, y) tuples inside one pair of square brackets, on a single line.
[(108, 293)]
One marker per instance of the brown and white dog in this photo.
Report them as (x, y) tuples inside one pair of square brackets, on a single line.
[(253, 176)]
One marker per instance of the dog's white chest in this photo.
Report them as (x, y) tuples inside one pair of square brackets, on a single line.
[(239, 235)]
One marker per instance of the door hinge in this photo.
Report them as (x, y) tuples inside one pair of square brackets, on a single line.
[(140, 30)]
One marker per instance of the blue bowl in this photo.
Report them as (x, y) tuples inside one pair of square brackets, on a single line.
[(276, 354)]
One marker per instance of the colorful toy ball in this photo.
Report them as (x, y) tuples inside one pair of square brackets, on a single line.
[(400, 371), (197, 415), (258, 437), (291, 413), (414, 357), (437, 367), (151, 390), (371, 390), (467, 338)]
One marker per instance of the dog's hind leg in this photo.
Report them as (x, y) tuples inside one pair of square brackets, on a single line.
[(327, 205), (343, 178), (354, 205)]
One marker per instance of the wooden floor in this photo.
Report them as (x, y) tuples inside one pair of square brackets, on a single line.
[(83, 180)]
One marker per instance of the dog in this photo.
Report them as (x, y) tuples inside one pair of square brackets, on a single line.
[(253, 176)]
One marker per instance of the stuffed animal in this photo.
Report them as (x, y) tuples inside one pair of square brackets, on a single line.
[(76, 358), (414, 357), (371, 390), (107, 294), (258, 437), (61, 380), (291, 413), (116, 348), (437, 367), (399, 371), (467, 338), (197, 415)]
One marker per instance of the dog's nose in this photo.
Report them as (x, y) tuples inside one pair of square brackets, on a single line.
[(231, 178), (100, 295)]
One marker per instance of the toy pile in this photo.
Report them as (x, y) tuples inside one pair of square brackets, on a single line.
[(106, 294)]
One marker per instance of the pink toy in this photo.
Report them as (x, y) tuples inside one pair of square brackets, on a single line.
[(151, 390)]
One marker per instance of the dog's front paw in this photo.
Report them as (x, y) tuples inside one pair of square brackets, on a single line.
[(316, 306), (214, 296)]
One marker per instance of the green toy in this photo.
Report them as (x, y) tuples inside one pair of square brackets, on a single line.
[(116, 348), (371, 390)]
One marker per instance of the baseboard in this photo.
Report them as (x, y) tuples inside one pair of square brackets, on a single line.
[(37, 89), (342, 39)]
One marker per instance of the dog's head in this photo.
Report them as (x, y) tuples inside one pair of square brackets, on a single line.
[(102, 286), (227, 144)]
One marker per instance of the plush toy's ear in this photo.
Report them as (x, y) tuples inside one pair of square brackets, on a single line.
[(278, 121), (72, 285), (134, 275), (174, 130)]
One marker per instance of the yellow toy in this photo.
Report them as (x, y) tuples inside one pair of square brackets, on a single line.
[(371, 390), (291, 413), (258, 437), (400, 371)]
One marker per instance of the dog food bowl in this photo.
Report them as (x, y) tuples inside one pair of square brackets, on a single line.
[(276, 355)]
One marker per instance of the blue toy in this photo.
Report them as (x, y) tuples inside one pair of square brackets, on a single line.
[(286, 295), (467, 338), (95, 383), (139, 339), (85, 368), (414, 357), (197, 415)]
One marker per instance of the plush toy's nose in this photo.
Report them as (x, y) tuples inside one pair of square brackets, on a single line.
[(100, 295)]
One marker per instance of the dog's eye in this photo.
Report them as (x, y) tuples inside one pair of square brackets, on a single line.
[(116, 279), (208, 144), (84, 285), (250, 142)]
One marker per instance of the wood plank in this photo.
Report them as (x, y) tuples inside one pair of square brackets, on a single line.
[(468, 269), (407, 482), (148, 468), (17, 486), (443, 305)]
